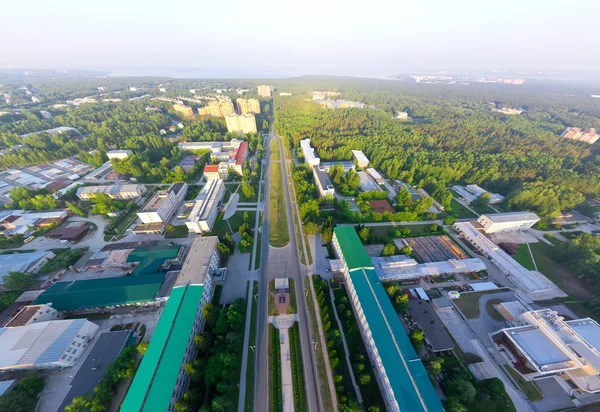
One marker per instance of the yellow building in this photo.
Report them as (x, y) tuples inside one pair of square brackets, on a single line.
[(185, 111), (247, 106), (243, 123), (264, 91), (217, 108)]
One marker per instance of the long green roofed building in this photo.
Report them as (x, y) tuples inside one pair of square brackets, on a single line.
[(401, 376)]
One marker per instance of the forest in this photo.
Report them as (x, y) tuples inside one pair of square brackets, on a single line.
[(458, 140)]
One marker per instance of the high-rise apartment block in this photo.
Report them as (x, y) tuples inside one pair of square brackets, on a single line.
[(265, 91), (243, 123), (584, 135), (247, 106), (217, 108), (185, 111)]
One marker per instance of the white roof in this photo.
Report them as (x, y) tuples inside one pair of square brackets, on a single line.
[(476, 190), (374, 173), (206, 200), (482, 286), (464, 193), (401, 267), (360, 156), (197, 262), (19, 262), (511, 217), (309, 153)]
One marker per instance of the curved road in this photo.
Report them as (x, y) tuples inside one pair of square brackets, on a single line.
[(279, 262)]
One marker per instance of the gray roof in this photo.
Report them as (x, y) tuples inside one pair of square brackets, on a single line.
[(18, 262)]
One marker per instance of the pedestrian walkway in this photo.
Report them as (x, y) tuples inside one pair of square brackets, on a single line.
[(283, 323)]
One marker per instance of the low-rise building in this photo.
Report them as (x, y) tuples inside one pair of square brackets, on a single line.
[(23, 223), (309, 153), (583, 135), (163, 204), (401, 268), (544, 344), (220, 171), (29, 263), (45, 345), (376, 176), (119, 154), (361, 159), (477, 191), (33, 314), (366, 183), (119, 192), (402, 116), (505, 222), (346, 164), (242, 123), (206, 207), (324, 185)]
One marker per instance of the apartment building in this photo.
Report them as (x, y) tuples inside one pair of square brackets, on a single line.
[(185, 111), (217, 108), (163, 204), (506, 222), (205, 210), (400, 374), (119, 192), (583, 135), (265, 91), (243, 123), (247, 106), (220, 171), (309, 153)]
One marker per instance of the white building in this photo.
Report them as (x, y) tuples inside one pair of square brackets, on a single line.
[(402, 268), (361, 159), (544, 344), (163, 204), (119, 192), (220, 171), (34, 314), (205, 210), (477, 191), (376, 176), (505, 222), (309, 153), (23, 262), (119, 154), (45, 345), (326, 189)]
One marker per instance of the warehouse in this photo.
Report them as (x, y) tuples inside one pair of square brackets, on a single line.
[(403, 268), (504, 222), (120, 192), (23, 262)]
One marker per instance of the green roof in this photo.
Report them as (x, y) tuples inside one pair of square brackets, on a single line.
[(92, 293), (354, 252), (153, 384), (405, 371), (142, 285)]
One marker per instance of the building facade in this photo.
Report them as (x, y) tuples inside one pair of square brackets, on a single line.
[(247, 106), (309, 153), (244, 123), (220, 171), (119, 154), (265, 91), (185, 111), (217, 108), (507, 222), (119, 192), (361, 159), (583, 135), (205, 210), (163, 204)]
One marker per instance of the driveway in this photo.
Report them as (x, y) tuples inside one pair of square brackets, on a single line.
[(237, 277), (484, 324)]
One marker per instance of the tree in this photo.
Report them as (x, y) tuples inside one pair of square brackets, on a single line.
[(363, 233), (404, 199), (434, 365), (75, 209), (401, 302), (142, 347), (310, 228), (203, 342), (463, 390), (433, 228), (449, 220), (389, 250), (417, 337), (18, 280), (248, 190), (482, 201), (169, 228), (364, 379), (210, 313), (453, 404)]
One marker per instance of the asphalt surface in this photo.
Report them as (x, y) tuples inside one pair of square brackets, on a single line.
[(280, 262), (107, 348)]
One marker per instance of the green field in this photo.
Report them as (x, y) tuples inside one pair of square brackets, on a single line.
[(278, 230), (297, 370), (469, 303), (459, 210), (221, 227), (178, 232), (524, 257), (274, 149)]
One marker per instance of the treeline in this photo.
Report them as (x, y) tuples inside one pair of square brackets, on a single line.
[(462, 147)]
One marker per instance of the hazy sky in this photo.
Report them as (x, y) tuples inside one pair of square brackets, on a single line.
[(279, 37)]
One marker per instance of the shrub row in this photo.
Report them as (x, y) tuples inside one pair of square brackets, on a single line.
[(275, 370), (297, 370)]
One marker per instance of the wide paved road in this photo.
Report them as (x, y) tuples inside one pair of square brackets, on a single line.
[(278, 262)]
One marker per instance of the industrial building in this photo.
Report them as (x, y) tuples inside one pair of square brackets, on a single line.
[(119, 154), (361, 159), (308, 152), (30, 262), (162, 205), (545, 344), (241, 123), (33, 314), (464, 194), (45, 345), (535, 284), (583, 135), (366, 183), (161, 379), (184, 111), (403, 268), (506, 222), (119, 192), (247, 106), (324, 185), (23, 223), (100, 172), (220, 171), (69, 233), (265, 91), (217, 108), (478, 191), (205, 210), (400, 374)]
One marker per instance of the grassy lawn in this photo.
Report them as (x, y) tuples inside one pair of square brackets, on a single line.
[(557, 273), (293, 306), (529, 388), (465, 357), (524, 257), (178, 232), (249, 399), (491, 310), (385, 232), (125, 221), (251, 198), (278, 231), (221, 227), (64, 258), (275, 153), (468, 303), (458, 209)]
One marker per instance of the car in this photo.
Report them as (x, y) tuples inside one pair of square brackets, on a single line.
[(95, 368)]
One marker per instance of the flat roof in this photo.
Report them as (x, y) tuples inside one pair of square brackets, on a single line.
[(152, 386), (366, 183), (197, 261), (538, 346), (360, 156), (323, 179), (588, 330), (23, 316), (510, 217), (354, 253), (424, 314)]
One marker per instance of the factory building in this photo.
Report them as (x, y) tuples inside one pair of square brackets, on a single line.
[(507, 222), (119, 192)]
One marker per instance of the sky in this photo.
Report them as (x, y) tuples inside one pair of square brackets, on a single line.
[(262, 38)]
